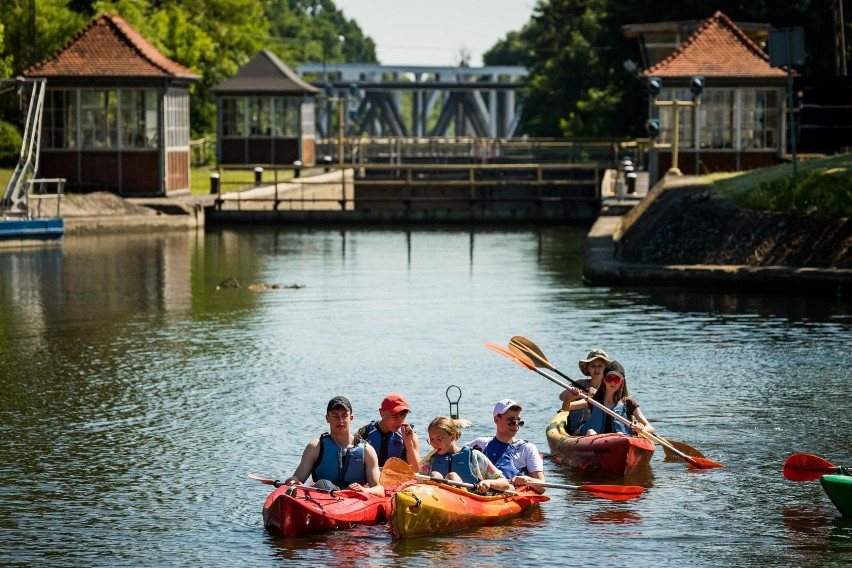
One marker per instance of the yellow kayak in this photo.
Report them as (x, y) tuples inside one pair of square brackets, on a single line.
[(432, 508)]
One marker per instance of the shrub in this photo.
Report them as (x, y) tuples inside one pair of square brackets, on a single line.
[(10, 143)]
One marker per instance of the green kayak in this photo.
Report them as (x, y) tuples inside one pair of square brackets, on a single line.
[(839, 490)]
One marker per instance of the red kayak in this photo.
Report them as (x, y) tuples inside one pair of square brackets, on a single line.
[(608, 454), (300, 510)]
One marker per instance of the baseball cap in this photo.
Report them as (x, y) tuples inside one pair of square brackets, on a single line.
[(504, 405), (614, 368), (394, 403), (339, 401)]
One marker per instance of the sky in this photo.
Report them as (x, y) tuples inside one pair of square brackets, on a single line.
[(435, 32)]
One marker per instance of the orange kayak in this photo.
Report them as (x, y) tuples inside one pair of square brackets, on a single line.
[(300, 510), (607, 454), (431, 508)]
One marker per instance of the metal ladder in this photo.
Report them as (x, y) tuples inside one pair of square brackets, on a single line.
[(14, 202)]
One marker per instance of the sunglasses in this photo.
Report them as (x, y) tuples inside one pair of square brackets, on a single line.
[(514, 422), (614, 379), (434, 441)]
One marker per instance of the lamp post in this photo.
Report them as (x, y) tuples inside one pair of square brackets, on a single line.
[(331, 96), (696, 84)]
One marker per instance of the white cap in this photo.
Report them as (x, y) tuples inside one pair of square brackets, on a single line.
[(505, 405)]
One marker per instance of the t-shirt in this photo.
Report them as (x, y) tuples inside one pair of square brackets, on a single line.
[(524, 454)]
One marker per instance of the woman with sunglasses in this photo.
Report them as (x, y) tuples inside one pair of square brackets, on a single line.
[(615, 397), (517, 459), (449, 461)]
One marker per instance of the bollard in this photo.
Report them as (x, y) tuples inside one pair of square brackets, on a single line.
[(631, 182), (258, 175), (326, 160), (214, 184), (297, 171)]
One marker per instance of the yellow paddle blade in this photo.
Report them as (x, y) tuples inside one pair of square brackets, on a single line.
[(395, 472)]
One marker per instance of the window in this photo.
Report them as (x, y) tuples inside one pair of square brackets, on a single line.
[(233, 117), (139, 119), (59, 123), (177, 118), (99, 118), (717, 119), (285, 118), (759, 126)]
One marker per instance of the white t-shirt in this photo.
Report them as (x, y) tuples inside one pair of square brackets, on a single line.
[(524, 454)]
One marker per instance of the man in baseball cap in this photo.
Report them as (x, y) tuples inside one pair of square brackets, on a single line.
[(323, 456), (518, 459), (393, 436)]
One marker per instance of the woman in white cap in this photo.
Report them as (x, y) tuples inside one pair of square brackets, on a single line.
[(593, 367)]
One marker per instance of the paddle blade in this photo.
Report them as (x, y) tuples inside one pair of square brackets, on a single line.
[(701, 463), (523, 347), (518, 358), (807, 467), (683, 447), (395, 472), (613, 492), (261, 479)]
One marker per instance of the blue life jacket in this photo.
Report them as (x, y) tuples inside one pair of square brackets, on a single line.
[(603, 423), (338, 465), (502, 455), (387, 445), (458, 462)]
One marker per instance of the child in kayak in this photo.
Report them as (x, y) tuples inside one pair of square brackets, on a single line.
[(337, 457), (593, 367), (615, 397), (460, 464), (393, 436), (518, 460)]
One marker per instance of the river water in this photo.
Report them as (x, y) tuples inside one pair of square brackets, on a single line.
[(135, 395)]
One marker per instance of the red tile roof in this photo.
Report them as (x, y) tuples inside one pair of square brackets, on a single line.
[(718, 48), (109, 47)]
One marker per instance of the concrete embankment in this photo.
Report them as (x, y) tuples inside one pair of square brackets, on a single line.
[(601, 268)]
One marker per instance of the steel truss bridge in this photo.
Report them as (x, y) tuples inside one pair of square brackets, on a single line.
[(420, 101)]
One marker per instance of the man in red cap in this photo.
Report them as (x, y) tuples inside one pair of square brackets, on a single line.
[(392, 436)]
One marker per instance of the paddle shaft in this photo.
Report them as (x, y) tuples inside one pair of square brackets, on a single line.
[(454, 483)]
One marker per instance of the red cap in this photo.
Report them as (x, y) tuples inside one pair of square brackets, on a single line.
[(394, 403)]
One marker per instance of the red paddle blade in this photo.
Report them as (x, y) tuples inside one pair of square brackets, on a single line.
[(613, 492), (702, 463), (261, 479), (807, 467), (520, 360)]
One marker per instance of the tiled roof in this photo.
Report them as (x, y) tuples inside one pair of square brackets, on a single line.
[(718, 48), (264, 73), (109, 47)]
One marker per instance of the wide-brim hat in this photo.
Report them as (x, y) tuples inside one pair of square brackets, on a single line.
[(593, 354)]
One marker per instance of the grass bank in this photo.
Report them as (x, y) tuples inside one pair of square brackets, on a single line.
[(822, 187)]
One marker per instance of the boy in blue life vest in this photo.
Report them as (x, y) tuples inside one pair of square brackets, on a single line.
[(337, 457), (518, 459), (393, 436)]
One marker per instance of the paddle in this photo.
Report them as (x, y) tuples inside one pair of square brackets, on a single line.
[(524, 361), (522, 346), (399, 472), (611, 492), (332, 492), (808, 467)]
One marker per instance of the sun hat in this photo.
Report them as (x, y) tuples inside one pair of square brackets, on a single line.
[(595, 353), (394, 403), (614, 368), (339, 401), (504, 405)]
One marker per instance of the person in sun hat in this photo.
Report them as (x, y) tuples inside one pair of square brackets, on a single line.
[(393, 436), (518, 459), (336, 459), (614, 396), (592, 366)]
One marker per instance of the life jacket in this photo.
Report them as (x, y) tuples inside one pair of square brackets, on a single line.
[(338, 465), (387, 445), (503, 456), (458, 462), (603, 423)]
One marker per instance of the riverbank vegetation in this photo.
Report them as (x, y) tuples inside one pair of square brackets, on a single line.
[(821, 187)]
